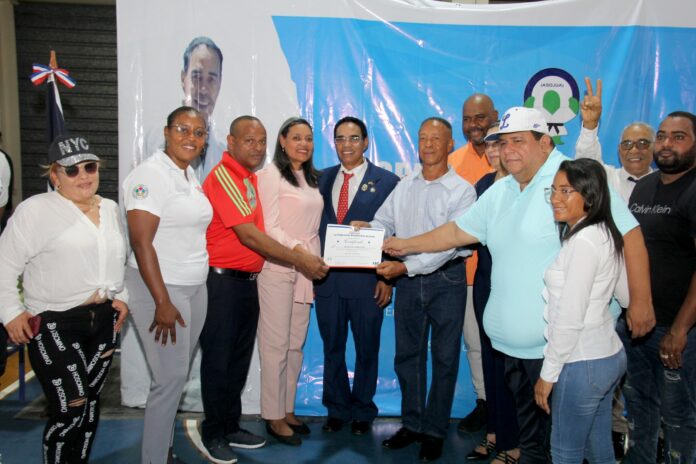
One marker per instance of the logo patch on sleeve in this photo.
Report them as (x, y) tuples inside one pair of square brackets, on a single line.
[(140, 192)]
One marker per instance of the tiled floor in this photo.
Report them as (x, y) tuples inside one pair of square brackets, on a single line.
[(118, 441)]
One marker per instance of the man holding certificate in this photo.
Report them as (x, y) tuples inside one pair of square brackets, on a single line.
[(430, 290), (354, 189)]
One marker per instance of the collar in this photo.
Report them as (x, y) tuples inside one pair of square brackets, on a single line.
[(357, 171), (625, 174), (450, 180), (233, 165), (164, 158)]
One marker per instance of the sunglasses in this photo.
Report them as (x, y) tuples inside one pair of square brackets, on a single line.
[(74, 170)]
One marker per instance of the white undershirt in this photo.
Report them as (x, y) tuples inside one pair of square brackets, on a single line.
[(353, 183)]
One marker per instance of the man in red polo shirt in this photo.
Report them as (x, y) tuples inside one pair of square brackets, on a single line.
[(237, 248)]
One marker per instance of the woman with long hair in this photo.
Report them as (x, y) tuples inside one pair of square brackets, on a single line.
[(292, 208), (584, 358)]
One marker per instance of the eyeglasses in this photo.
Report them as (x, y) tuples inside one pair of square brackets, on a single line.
[(352, 139), (563, 192), (199, 133), (641, 144), (74, 170)]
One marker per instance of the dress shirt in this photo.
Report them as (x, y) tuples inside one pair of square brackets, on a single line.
[(520, 232), (588, 146), (291, 216), (579, 285), (353, 183), (417, 206), (63, 256)]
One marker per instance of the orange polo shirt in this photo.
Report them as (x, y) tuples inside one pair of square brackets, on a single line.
[(233, 192), (469, 165)]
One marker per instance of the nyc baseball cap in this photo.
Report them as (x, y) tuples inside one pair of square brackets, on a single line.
[(68, 150)]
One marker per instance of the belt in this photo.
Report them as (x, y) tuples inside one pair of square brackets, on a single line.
[(455, 262), (234, 273)]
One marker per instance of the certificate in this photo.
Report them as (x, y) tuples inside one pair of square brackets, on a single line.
[(347, 247)]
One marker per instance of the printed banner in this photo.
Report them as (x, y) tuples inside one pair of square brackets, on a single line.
[(393, 63)]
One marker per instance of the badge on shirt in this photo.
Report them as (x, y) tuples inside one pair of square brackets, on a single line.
[(140, 192), (251, 193)]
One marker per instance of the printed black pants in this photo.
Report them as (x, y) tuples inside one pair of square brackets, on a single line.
[(71, 356)]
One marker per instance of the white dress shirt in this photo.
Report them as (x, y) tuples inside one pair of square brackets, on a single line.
[(63, 256), (580, 284), (353, 183), (588, 146)]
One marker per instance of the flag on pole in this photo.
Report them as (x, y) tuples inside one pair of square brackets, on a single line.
[(52, 74)]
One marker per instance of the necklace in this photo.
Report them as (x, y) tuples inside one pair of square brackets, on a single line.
[(82, 206)]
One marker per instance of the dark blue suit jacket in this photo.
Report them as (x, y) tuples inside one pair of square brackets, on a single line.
[(359, 283)]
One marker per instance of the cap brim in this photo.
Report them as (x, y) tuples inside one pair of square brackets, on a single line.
[(76, 159)]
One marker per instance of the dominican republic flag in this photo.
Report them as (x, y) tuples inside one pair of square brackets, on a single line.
[(55, 123)]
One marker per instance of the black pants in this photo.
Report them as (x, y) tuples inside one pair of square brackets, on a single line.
[(227, 343), (71, 356), (535, 425)]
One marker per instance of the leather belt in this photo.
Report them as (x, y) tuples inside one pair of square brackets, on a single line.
[(234, 273)]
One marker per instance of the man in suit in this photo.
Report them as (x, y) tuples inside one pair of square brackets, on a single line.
[(354, 189)]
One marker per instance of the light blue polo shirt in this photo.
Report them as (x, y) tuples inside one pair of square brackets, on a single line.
[(519, 230)]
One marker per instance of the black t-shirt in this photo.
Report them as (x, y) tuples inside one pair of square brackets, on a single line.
[(667, 217)]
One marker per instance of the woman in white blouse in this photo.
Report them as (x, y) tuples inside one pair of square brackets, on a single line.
[(584, 358), (69, 247), (168, 214)]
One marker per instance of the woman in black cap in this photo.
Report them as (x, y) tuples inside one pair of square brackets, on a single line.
[(69, 247)]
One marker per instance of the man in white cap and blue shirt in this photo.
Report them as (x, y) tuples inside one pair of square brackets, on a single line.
[(515, 221)]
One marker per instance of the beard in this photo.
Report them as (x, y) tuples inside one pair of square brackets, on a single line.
[(679, 163)]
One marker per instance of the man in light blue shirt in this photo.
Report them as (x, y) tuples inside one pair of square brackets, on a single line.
[(516, 223), (430, 290)]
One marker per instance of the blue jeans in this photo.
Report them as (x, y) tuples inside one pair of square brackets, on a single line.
[(424, 304), (581, 410), (652, 392)]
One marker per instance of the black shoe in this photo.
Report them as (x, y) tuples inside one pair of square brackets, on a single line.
[(300, 429), (401, 439), (219, 451), (332, 424), (476, 419), (292, 440), (431, 449), (359, 427), (618, 439), (478, 456)]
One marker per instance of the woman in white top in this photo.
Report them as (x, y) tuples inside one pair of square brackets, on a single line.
[(168, 215), (584, 358), (292, 206), (69, 247)]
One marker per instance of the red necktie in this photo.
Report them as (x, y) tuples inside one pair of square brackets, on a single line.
[(343, 199)]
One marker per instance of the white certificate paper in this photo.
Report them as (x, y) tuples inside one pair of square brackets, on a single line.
[(347, 247)]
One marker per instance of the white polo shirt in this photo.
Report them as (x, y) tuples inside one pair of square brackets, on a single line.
[(160, 187)]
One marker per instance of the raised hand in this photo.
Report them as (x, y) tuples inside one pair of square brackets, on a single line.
[(591, 106)]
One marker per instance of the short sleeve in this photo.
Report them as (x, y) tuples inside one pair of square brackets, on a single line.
[(146, 189), (229, 202), (474, 220)]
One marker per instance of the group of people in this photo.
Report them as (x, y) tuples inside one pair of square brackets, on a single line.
[(237, 258)]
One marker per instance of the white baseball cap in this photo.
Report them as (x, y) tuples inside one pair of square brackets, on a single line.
[(520, 119)]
